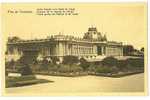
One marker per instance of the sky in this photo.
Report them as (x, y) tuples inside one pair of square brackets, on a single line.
[(122, 22)]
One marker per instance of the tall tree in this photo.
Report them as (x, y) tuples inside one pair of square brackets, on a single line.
[(142, 49), (127, 50)]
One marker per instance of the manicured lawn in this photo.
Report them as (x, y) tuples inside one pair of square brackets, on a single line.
[(23, 80)]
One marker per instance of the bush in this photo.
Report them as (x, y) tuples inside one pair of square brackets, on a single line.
[(84, 64), (92, 67), (121, 65), (44, 64), (103, 70), (64, 68), (76, 68), (110, 61), (10, 65), (67, 68), (136, 62), (53, 67), (35, 67), (25, 70), (12, 81), (70, 60), (114, 69), (131, 64), (6, 72), (54, 59)]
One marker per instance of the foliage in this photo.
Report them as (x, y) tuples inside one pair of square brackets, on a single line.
[(23, 80), (92, 67), (127, 50), (84, 64), (10, 64), (67, 68), (107, 65), (110, 61), (6, 73), (70, 60), (64, 68), (122, 64), (54, 59), (103, 70), (44, 64), (53, 67), (142, 49), (136, 62), (25, 70), (76, 68)]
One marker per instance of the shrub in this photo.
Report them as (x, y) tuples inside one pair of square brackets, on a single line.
[(64, 68), (54, 59), (10, 64), (14, 81), (103, 70), (131, 64), (6, 73), (84, 64), (136, 62), (35, 67), (114, 69), (110, 61), (25, 70), (53, 67), (122, 64), (67, 68), (44, 65), (92, 67), (70, 60), (75, 68)]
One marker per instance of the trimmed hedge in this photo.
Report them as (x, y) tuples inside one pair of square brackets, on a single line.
[(23, 80)]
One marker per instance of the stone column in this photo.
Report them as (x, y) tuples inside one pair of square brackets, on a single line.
[(61, 49), (95, 49)]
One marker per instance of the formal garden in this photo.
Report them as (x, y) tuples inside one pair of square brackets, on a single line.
[(73, 66)]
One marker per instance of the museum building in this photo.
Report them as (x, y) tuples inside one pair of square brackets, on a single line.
[(92, 44)]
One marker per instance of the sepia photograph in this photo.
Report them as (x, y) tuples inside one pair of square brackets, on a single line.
[(74, 49)]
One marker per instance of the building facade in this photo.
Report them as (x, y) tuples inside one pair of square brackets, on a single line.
[(92, 44)]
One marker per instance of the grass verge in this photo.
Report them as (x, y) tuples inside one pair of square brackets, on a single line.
[(23, 81)]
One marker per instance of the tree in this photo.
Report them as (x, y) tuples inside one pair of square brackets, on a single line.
[(142, 49), (127, 50)]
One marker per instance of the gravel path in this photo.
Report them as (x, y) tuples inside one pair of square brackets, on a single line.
[(83, 84)]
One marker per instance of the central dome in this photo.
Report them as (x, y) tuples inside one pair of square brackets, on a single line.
[(94, 34)]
